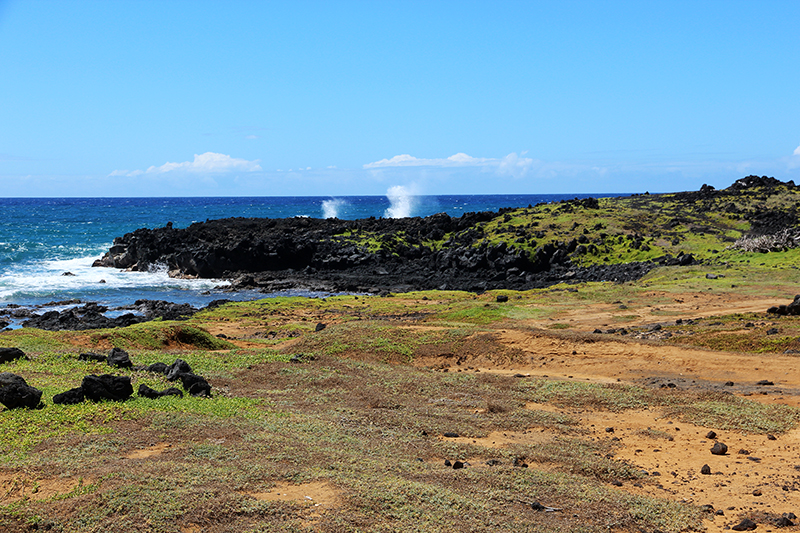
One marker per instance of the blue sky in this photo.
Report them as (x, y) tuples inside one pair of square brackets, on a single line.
[(179, 98)]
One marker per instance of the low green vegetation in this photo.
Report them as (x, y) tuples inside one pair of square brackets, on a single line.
[(368, 396)]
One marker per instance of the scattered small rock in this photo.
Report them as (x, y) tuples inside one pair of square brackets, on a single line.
[(320, 326), (450, 435), (711, 435), (757, 492), (502, 298), (705, 470), (719, 448), (457, 465), (745, 525), (764, 382)]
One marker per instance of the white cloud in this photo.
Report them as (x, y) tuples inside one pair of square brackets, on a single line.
[(208, 162), (513, 165), (510, 165), (251, 137), (797, 151), (406, 160)]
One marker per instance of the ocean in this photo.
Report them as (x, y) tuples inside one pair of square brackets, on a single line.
[(47, 245)]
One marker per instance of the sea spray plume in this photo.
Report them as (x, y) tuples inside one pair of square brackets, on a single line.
[(401, 202), (330, 208)]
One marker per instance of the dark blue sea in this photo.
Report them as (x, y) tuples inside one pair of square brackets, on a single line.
[(43, 238)]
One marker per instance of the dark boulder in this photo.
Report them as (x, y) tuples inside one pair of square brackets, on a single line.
[(160, 368), (719, 448), (147, 392), (70, 397), (119, 358), (745, 525), (107, 388), (15, 392), (11, 354), (91, 356), (195, 385), (177, 368)]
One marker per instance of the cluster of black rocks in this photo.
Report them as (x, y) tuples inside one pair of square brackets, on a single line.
[(790, 309), (16, 393), (91, 315)]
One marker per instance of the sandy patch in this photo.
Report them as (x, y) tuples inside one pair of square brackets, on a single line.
[(320, 494), (15, 486), (152, 451)]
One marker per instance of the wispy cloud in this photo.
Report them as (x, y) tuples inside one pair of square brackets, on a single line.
[(406, 160), (797, 151), (206, 163), (514, 165)]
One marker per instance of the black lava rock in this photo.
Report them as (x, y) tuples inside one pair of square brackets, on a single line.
[(11, 354), (147, 392), (159, 368), (177, 368), (70, 397), (107, 388), (195, 385), (119, 358), (719, 448), (15, 392), (745, 525), (91, 356)]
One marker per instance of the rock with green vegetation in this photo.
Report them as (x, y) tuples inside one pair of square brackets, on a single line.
[(11, 354)]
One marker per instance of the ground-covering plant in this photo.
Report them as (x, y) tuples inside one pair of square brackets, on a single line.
[(361, 406)]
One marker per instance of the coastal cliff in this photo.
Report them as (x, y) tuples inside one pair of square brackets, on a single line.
[(607, 239)]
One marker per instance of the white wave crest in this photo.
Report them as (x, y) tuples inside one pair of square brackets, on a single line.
[(330, 208), (76, 278), (401, 202)]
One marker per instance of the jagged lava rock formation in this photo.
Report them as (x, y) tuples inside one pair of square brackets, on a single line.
[(615, 239)]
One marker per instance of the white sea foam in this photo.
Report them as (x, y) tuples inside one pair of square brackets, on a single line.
[(330, 208), (401, 202), (45, 279)]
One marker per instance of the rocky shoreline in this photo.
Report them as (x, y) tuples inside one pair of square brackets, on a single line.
[(367, 255)]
